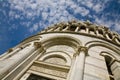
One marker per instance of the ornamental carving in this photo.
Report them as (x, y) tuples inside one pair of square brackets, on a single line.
[(10, 50), (55, 60), (37, 44), (49, 70), (80, 49), (74, 24)]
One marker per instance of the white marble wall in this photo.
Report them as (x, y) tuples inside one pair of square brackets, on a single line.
[(88, 65)]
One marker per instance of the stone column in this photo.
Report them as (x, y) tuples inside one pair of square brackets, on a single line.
[(76, 30), (66, 28), (50, 29), (77, 69), (11, 62), (58, 29), (115, 68)]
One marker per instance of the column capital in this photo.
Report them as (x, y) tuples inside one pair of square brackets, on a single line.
[(37, 44), (80, 49)]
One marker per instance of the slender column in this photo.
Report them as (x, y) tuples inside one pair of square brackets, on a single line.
[(51, 29), (58, 29), (66, 28), (77, 69), (77, 28), (115, 67), (87, 30)]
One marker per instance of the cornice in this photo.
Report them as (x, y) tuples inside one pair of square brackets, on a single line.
[(89, 29)]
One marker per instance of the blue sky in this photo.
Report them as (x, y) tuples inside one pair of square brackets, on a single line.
[(20, 19)]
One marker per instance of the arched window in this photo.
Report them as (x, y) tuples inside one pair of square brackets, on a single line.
[(55, 60), (109, 61)]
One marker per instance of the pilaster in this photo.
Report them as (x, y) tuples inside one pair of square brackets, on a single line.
[(77, 69)]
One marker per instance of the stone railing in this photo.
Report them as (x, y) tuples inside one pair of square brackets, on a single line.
[(86, 28)]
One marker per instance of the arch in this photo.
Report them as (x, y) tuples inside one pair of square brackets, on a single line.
[(61, 55), (107, 54), (103, 44), (109, 60), (61, 40)]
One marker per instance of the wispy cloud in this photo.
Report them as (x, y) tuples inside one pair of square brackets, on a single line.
[(22, 18), (52, 11), (34, 28)]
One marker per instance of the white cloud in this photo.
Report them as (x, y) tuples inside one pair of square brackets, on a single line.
[(34, 28), (108, 23), (55, 11), (12, 27), (44, 15), (96, 5)]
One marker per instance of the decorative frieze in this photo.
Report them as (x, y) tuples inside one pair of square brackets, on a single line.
[(77, 26), (51, 70)]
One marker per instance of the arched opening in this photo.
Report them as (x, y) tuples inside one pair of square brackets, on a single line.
[(82, 28), (92, 30), (110, 36), (100, 31), (65, 44), (73, 27), (109, 53), (55, 59), (109, 61)]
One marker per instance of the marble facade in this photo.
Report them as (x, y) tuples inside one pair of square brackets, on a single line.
[(65, 51)]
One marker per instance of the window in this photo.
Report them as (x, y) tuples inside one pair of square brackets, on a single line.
[(83, 28), (36, 77), (56, 60), (108, 61), (100, 31)]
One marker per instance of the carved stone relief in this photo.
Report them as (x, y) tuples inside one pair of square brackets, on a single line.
[(55, 60), (50, 70)]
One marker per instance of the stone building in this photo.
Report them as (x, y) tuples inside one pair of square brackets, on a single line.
[(65, 51)]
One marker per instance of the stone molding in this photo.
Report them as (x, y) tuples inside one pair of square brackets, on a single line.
[(96, 29)]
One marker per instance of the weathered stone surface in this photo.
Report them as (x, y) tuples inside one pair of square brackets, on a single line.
[(65, 51)]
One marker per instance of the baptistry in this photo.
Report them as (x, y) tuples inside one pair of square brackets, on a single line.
[(74, 50)]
